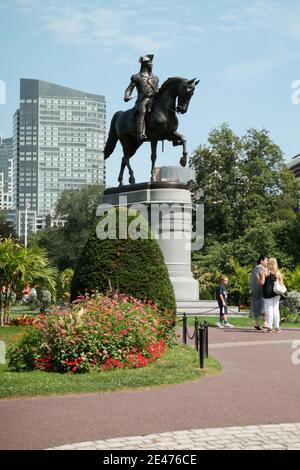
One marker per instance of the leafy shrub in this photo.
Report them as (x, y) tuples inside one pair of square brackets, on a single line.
[(64, 285), (292, 278), (30, 346), (290, 307), (99, 333), (132, 266)]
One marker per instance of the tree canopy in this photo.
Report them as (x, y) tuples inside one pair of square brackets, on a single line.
[(251, 199), (244, 179), (78, 209), (6, 228)]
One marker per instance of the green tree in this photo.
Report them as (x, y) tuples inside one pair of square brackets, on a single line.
[(244, 179), (19, 266), (251, 200), (290, 238), (218, 174), (78, 208), (292, 278), (6, 228), (242, 278), (272, 191)]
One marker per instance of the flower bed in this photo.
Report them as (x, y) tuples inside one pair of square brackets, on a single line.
[(99, 333), (23, 320)]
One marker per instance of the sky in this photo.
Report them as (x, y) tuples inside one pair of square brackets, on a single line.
[(245, 53)]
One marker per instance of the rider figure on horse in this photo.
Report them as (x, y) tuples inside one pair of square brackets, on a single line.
[(147, 87)]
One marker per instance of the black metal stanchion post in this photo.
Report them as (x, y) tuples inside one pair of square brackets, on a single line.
[(196, 333), (206, 338), (184, 333), (201, 346)]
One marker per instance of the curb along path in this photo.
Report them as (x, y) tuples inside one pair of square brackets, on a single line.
[(276, 437)]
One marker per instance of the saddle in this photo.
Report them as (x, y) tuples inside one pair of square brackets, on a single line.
[(135, 112)]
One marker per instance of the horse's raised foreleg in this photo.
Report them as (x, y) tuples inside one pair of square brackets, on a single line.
[(179, 139), (153, 158)]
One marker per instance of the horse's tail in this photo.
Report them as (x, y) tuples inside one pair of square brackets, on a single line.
[(112, 137)]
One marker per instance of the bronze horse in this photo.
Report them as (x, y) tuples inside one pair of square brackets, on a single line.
[(161, 124)]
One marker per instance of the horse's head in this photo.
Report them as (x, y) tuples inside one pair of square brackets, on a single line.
[(186, 90)]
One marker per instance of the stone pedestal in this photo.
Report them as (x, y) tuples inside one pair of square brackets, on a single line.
[(172, 228)]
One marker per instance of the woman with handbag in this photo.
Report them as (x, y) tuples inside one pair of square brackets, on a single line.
[(272, 284)]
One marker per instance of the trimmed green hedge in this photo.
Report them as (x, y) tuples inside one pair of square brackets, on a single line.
[(134, 267)]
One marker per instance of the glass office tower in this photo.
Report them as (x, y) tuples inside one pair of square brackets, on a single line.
[(59, 137)]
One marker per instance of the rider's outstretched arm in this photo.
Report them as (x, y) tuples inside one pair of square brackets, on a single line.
[(129, 89)]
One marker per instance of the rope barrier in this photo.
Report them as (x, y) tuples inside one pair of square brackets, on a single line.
[(190, 337), (205, 312)]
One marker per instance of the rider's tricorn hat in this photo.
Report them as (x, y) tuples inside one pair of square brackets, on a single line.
[(146, 58)]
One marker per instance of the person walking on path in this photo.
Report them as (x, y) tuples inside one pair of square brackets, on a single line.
[(271, 299), (257, 303), (221, 294)]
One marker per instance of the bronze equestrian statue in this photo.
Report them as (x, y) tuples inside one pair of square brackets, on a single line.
[(159, 124)]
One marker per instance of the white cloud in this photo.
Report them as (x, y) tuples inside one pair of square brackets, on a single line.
[(161, 24), (294, 29), (25, 6), (101, 26), (68, 29), (262, 65), (249, 69)]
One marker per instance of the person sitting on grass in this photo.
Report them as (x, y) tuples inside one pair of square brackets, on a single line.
[(221, 295)]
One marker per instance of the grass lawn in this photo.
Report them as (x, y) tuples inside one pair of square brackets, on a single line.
[(236, 321), (179, 364)]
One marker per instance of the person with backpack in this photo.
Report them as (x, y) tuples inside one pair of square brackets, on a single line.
[(271, 298)]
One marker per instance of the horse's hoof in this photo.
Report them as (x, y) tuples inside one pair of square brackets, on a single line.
[(183, 161), (131, 180), (120, 184)]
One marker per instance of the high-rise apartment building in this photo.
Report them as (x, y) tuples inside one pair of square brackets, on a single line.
[(58, 143), (294, 165), (6, 173)]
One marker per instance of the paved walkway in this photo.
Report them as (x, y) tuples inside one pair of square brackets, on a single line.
[(259, 385), (266, 437)]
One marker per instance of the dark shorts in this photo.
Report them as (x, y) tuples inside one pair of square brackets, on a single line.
[(223, 310)]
